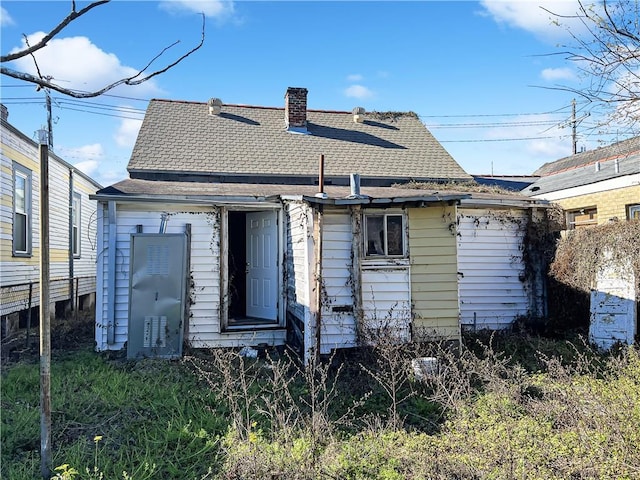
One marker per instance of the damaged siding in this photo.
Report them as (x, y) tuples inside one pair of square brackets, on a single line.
[(338, 324), (493, 292), (204, 327), (434, 281), (297, 274), (204, 293)]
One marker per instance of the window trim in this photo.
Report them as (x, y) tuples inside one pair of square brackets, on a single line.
[(634, 207), (385, 216), (22, 172), (76, 247)]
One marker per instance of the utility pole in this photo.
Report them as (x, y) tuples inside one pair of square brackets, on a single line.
[(49, 119), (574, 124), (45, 314)]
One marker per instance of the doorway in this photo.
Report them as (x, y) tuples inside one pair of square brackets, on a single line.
[(252, 268)]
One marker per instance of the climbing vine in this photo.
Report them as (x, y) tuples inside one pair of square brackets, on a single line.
[(579, 252)]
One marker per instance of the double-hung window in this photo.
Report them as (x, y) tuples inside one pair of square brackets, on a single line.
[(633, 212), (384, 235), (76, 216), (21, 211)]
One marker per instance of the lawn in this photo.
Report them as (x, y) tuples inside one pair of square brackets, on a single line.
[(501, 406)]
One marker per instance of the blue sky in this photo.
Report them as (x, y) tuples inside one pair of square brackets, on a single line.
[(481, 75)]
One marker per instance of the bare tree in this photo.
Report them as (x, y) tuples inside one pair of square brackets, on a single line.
[(606, 50), (45, 81)]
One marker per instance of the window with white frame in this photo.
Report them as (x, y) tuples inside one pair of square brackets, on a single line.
[(76, 216), (21, 210), (384, 235), (583, 217), (633, 212)]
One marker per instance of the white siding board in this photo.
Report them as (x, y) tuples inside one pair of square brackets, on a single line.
[(338, 329), (490, 263)]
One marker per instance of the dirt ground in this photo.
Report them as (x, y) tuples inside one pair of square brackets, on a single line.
[(69, 333)]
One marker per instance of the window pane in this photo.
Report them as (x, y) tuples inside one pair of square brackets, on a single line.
[(20, 233), (394, 235), (75, 244), (20, 194), (375, 235)]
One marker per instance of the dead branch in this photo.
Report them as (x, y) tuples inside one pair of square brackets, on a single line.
[(44, 81)]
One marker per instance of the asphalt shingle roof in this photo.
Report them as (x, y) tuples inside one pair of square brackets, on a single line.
[(615, 150), (616, 160), (181, 137)]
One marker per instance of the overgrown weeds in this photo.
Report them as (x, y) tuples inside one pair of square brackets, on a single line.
[(497, 406)]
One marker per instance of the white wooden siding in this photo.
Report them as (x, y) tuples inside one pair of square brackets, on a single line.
[(386, 300), (491, 267), (338, 323), (298, 247), (204, 296)]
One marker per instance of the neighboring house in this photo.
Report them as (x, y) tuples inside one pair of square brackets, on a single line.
[(593, 187), (507, 182), (250, 226), (72, 229)]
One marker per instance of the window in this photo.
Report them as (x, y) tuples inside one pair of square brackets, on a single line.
[(384, 235), (76, 216), (633, 212), (584, 217), (21, 211)]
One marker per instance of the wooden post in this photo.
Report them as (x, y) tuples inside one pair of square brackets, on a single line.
[(45, 314)]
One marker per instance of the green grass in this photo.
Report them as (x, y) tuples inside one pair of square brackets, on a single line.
[(503, 406)]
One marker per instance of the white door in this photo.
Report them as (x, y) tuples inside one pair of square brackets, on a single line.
[(262, 265)]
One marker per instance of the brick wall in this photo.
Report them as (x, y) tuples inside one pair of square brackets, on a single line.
[(610, 203)]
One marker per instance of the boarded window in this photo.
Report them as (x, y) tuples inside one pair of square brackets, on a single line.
[(584, 217)]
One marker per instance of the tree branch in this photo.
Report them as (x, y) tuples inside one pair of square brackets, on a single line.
[(63, 24), (47, 81)]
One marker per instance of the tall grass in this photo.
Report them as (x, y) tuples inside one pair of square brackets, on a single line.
[(498, 406)]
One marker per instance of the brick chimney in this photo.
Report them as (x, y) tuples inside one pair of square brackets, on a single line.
[(295, 108)]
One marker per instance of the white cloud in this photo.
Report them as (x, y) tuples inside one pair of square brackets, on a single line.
[(127, 132), (552, 74), (76, 63), (538, 17), (5, 18), (358, 91), (355, 77), (211, 8)]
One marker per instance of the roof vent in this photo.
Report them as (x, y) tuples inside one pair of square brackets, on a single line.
[(215, 106), (597, 166), (358, 114)]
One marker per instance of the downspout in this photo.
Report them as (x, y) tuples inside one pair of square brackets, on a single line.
[(71, 273), (111, 275)]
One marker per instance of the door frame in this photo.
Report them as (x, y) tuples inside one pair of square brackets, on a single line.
[(224, 268)]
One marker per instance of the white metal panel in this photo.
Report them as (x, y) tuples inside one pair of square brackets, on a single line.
[(492, 290)]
